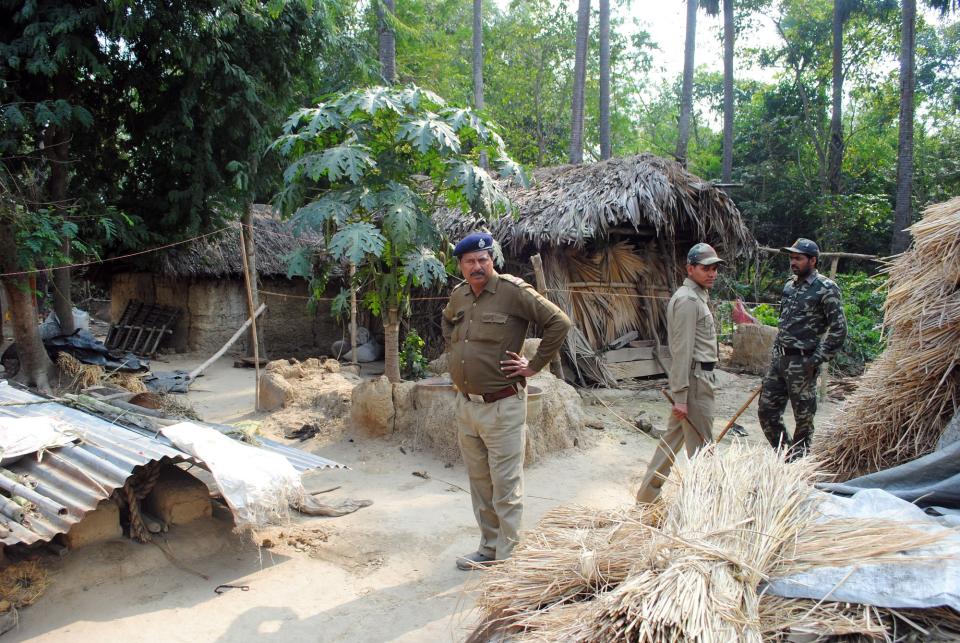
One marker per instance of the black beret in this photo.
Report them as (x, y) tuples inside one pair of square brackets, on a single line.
[(473, 242)]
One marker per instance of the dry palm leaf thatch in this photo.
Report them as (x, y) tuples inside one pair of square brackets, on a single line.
[(218, 255), (908, 395), (690, 567), (612, 301), (573, 204), (21, 584)]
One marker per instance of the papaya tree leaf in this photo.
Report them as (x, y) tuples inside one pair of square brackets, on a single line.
[(356, 240)]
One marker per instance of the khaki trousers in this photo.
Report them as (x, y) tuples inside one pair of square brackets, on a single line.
[(700, 400), (492, 441)]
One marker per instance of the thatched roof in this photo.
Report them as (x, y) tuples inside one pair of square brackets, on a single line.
[(572, 204), (219, 255)]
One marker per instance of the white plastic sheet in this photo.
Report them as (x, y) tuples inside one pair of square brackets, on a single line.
[(925, 578), (22, 435), (258, 485)]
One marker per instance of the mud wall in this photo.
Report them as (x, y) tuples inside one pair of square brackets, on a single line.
[(214, 309)]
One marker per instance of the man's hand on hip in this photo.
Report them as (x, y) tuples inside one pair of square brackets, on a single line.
[(679, 411), (516, 366)]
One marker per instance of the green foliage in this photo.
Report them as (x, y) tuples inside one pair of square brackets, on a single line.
[(413, 365), (366, 169), (863, 301), (766, 315)]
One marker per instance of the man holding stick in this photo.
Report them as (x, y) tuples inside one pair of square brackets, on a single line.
[(693, 345)]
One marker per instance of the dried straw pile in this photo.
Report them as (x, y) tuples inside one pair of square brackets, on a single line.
[(690, 567), (87, 375), (911, 391)]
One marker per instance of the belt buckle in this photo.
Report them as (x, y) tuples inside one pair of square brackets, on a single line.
[(473, 397)]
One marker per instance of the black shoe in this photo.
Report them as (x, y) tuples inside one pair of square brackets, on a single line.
[(476, 560)]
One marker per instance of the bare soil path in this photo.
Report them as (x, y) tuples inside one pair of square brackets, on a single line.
[(385, 573)]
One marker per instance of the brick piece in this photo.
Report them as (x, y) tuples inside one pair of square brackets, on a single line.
[(103, 523), (178, 497)]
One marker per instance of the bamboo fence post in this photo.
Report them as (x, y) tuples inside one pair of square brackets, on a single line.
[(353, 315), (556, 367), (253, 320)]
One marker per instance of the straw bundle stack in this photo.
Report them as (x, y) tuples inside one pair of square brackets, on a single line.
[(908, 395), (690, 568)]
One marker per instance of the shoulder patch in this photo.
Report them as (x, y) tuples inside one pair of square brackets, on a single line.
[(827, 281), (516, 281)]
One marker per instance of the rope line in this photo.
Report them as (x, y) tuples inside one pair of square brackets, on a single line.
[(127, 256)]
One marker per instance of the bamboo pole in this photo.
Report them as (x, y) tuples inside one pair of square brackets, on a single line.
[(739, 412), (353, 316), (556, 367), (253, 320), (196, 372)]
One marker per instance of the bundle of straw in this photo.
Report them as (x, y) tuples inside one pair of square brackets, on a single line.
[(908, 395), (690, 567)]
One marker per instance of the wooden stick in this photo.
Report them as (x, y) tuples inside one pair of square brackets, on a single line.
[(253, 321), (704, 436), (743, 408), (196, 372), (353, 315), (555, 365)]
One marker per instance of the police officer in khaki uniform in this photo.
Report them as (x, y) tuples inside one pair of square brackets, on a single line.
[(484, 326), (693, 347)]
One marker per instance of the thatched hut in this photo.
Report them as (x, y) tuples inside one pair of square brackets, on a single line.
[(204, 278), (613, 237)]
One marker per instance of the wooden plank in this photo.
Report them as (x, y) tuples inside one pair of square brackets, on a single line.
[(638, 368), (647, 344), (628, 354)]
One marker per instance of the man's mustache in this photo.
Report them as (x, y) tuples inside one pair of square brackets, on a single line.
[(478, 273)]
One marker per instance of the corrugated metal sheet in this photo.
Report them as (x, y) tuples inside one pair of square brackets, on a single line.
[(79, 476)]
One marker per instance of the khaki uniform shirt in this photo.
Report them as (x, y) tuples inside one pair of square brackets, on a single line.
[(480, 330), (691, 335)]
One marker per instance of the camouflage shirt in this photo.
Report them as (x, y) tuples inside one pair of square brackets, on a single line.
[(810, 309)]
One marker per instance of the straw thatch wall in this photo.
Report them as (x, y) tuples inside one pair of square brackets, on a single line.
[(613, 237)]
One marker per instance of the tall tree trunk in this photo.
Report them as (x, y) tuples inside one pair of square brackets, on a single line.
[(250, 245), (57, 152), (388, 42), (35, 365), (579, 82), (726, 167), (902, 214), (686, 93), (391, 345), (835, 149), (478, 64), (605, 150)]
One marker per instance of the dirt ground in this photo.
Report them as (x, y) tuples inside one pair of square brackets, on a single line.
[(385, 573)]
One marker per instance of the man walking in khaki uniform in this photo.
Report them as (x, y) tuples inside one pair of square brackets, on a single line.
[(693, 347), (484, 326)]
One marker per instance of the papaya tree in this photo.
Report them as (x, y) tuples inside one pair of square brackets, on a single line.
[(367, 169)]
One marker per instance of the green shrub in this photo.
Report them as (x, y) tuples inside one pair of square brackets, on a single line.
[(413, 365), (766, 315), (863, 300)]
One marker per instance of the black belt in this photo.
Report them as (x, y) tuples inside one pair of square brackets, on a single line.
[(803, 352), (707, 366), (506, 391)]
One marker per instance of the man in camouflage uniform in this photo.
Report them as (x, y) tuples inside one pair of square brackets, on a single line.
[(484, 326), (812, 330), (692, 337)]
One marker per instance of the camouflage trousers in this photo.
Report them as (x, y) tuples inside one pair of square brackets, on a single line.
[(787, 379)]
